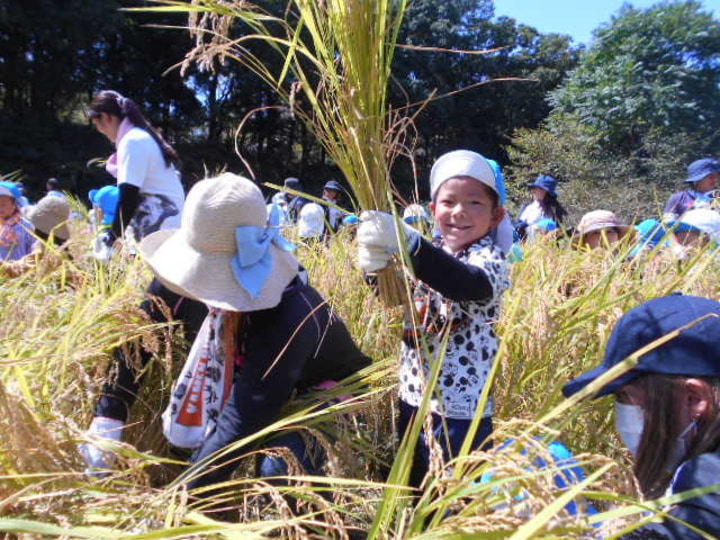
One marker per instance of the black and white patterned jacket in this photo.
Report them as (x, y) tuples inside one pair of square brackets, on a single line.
[(462, 291)]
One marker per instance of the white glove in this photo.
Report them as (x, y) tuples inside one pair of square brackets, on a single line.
[(102, 248), (98, 460), (379, 230), (372, 259)]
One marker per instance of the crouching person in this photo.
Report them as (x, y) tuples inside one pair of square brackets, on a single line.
[(272, 334)]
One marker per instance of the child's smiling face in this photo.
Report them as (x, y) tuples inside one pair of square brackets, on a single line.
[(7, 206), (465, 211)]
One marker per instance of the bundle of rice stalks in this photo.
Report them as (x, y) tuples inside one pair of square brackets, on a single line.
[(333, 69)]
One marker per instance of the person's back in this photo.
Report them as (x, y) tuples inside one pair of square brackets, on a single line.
[(161, 193), (311, 221)]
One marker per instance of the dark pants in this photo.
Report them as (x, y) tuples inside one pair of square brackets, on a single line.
[(448, 432), (120, 393)]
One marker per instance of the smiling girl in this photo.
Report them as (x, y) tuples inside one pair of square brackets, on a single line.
[(458, 290)]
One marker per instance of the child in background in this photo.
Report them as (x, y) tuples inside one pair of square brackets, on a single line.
[(702, 180), (460, 282), (600, 229), (545, 204), (667, 408), (50, 218), (16, 239), (333, 193), (694, 230)]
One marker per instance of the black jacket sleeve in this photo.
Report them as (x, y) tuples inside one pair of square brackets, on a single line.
[(452, 278), (127, 205)]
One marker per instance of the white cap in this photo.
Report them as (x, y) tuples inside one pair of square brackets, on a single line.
[(705, 220), (311, 222), (461, 163)]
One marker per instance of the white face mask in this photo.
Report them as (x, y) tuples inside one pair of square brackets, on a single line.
[(682, 445), (629, 422)]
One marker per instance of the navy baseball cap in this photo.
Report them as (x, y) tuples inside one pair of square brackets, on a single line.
[(334, 185), (694, 352)]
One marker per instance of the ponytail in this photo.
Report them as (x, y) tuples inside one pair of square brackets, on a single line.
[(115, 104)]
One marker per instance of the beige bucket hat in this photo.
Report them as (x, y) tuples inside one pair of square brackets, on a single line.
[(51, 215), (598, 220), (225, 253)]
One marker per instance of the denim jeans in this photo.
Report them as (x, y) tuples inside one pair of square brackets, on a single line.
[(448, 432)]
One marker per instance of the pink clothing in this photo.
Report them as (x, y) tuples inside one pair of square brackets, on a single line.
[(112, 163)]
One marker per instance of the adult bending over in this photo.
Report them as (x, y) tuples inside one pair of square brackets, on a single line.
[(151, 194)]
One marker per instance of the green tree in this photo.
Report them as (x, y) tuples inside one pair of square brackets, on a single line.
[(648, 71), (471, 111)]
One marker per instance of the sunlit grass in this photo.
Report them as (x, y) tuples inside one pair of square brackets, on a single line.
[(60, 327)]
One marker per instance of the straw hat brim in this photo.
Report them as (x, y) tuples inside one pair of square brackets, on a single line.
[(209, 277), (623, 231), (48, 224)]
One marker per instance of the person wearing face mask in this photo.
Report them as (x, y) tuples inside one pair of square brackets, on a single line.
[(668, 407)]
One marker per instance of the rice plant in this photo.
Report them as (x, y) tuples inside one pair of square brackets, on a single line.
[(61, 322), (60, 326)]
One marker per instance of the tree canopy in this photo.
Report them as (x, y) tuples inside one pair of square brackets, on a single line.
[(654, 70), (642, 103)]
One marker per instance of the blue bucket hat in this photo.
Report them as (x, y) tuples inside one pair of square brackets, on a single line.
[(292, 183), (694, 352), (546, 182), (351, 219), (10, 189), (546, 225), (650, 231), (701, 168), (106, 198), (334, 185)]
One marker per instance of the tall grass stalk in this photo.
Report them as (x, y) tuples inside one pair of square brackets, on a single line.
[(60, 326)]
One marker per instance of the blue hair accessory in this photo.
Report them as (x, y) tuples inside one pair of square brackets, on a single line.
[(253, 263), (499, 181), (351, 219)]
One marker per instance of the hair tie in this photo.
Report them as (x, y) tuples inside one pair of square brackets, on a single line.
[(121, 101)]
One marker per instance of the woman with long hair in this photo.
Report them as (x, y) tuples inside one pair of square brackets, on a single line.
[(545, 204), (667, 407), (151, 194), (150, 198)]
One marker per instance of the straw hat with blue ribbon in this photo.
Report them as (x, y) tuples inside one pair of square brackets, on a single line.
[(228, 253)]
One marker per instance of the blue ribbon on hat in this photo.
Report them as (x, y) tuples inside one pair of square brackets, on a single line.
[(253, 263)]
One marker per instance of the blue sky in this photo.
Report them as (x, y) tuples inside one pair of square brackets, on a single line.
[(577, 18)]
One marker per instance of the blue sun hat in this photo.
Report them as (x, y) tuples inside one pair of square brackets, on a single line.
[(351, 219), (693, 352), (650, 234), (91, 195), (546, 182), (10, 189), (700, 168), (333, 185), (546, 225), (106, 198)]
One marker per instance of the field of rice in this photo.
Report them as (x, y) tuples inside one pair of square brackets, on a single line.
[(61, 320)]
